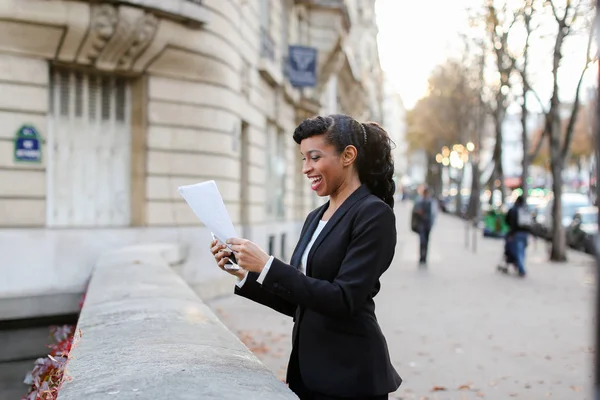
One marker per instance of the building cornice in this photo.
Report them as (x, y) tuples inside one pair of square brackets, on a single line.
[(338, 5), (111, 36)]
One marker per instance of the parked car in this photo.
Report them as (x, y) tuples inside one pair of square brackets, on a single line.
[(538, 228), (570, 203), (583, 228)]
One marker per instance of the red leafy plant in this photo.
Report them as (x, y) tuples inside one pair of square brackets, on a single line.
[(48, 373)]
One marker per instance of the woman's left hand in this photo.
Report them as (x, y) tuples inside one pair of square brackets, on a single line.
[(248, 255)]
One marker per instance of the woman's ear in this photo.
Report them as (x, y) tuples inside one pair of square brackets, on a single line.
[(349, 155)]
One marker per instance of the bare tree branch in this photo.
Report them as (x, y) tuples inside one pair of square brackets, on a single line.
[(537, 97), (554, 11), (533, 155), (575, 111), (543, 135)]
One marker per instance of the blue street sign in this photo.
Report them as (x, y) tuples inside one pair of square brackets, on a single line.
[(28, 145), (302, 66)]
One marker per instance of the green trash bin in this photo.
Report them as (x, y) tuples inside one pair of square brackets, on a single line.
[(494, 224)]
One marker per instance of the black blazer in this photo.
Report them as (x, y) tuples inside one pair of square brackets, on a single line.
[(339, 346)]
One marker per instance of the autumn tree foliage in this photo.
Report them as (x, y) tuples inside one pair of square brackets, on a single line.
[(444, 116)]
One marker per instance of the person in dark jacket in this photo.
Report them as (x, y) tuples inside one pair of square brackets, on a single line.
[(424, 212), (338, 348), (518, 233)]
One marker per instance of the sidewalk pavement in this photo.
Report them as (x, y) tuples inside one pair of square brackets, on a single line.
[(458, 329)]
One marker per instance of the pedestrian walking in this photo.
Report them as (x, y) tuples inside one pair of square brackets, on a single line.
[(422, 220), (338, 349), (519, 221)]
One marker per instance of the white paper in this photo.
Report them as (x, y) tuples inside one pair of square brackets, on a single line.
[(206, 202)]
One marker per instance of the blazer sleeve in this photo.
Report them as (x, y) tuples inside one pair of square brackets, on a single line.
[(369, 254), (254, 291)]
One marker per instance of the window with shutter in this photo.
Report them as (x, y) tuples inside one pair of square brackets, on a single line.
[(89, 148)]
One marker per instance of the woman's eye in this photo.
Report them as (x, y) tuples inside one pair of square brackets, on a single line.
[(315, 158)]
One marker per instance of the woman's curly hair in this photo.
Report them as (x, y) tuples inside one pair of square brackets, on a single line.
[(374, 160)]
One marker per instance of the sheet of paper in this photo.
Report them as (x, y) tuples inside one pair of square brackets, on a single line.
[(206, 202)]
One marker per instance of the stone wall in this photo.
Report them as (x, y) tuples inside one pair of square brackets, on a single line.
[(23, 99), (143, 333)]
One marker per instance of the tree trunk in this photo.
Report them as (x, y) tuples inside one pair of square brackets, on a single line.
[(559, 240), (434, 175), (459, 181), (559, 245), (473, 208), (524, 112), (525, 140), (499, 171)]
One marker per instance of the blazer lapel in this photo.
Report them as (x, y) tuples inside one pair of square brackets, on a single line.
[(337, 216), (306, 236)]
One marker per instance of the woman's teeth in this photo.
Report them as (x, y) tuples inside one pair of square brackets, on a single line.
[(315, 182)]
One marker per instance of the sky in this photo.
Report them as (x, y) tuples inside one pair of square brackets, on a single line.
[(415, 36)]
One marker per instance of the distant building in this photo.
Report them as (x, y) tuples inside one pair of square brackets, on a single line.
[(394, 121)]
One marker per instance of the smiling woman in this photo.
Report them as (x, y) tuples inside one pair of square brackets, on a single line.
[(340, 140), (345, 246)]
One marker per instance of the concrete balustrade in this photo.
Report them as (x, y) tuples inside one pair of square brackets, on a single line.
[(146, 334)]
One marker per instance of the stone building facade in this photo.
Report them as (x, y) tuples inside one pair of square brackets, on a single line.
[(135, 98)]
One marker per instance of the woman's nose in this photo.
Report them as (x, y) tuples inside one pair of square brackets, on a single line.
[(305, 167)]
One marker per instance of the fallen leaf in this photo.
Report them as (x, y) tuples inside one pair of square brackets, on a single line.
[(439, 389), (466, 386), (480, 394), (575, 388)]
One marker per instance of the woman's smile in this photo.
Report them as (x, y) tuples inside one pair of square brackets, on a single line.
[(315, 182)]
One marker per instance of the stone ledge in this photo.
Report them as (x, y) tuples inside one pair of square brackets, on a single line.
[(146, 334)]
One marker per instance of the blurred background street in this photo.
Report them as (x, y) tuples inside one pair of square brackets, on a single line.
[(458, 329), (107, 107)]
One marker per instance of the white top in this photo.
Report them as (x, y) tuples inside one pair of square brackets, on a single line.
[(303, 260)]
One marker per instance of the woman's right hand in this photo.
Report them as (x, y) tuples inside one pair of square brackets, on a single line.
[(220, 252)]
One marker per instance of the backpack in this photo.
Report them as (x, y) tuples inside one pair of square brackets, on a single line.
[(423, 206), (415, 220), (524, 218)]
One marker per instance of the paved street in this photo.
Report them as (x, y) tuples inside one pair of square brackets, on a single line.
[(459, 329)]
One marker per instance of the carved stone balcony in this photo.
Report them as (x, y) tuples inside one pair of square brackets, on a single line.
[(190, 11)]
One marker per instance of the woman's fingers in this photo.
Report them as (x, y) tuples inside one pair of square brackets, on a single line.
[(222, 262), (218, 248)]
